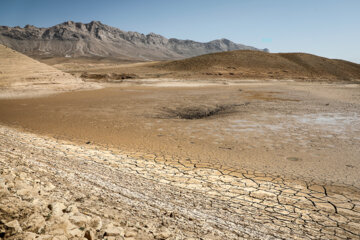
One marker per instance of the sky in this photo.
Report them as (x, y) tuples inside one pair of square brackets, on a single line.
[(329, 28)]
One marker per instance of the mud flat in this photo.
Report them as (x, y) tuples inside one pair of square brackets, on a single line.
[(76, 191)]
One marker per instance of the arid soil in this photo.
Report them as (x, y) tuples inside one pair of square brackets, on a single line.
[(68, 191)]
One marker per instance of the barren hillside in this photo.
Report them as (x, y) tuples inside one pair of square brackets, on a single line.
[(256, 64), (23, 75)]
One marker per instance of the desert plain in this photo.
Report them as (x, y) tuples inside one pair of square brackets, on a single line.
[(139, 150)]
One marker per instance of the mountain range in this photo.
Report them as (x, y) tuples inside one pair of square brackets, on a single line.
[(76, 39)]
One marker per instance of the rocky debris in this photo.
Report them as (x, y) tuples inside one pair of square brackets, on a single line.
[(103, 194), (42, 216), (96, 39)]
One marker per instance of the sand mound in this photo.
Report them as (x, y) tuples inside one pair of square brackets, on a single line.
[(21, 76), (256, 64)]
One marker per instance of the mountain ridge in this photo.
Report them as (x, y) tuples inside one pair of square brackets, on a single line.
[(75, 39)]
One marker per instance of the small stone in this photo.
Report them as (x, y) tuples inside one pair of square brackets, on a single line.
[(130, 233), (111, 230), (79, 219), (24, 192), (14, 226), (60, 226), (58, 209), (35, 223), (49, 187), (76, 232), (3, 192), (96, 223), (72, 209), (163, 234), (30, 236), (89, 235), (22, 176)]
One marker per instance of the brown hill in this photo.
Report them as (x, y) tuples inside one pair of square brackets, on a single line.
[(23, 76), (262, 65)]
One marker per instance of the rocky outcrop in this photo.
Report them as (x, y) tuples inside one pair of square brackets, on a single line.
[(73, 39)]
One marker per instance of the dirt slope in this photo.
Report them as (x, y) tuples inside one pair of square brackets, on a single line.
[(256, 64), (22, 76)]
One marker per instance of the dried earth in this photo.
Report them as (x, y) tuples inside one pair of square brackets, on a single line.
[(67, 191)]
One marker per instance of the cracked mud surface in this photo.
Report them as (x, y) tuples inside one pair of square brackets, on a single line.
[(190, 200)]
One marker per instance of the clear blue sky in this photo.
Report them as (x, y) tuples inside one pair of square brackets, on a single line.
[(329, 28)]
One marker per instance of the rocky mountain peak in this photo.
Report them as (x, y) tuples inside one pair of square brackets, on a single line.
[(97, 39)]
